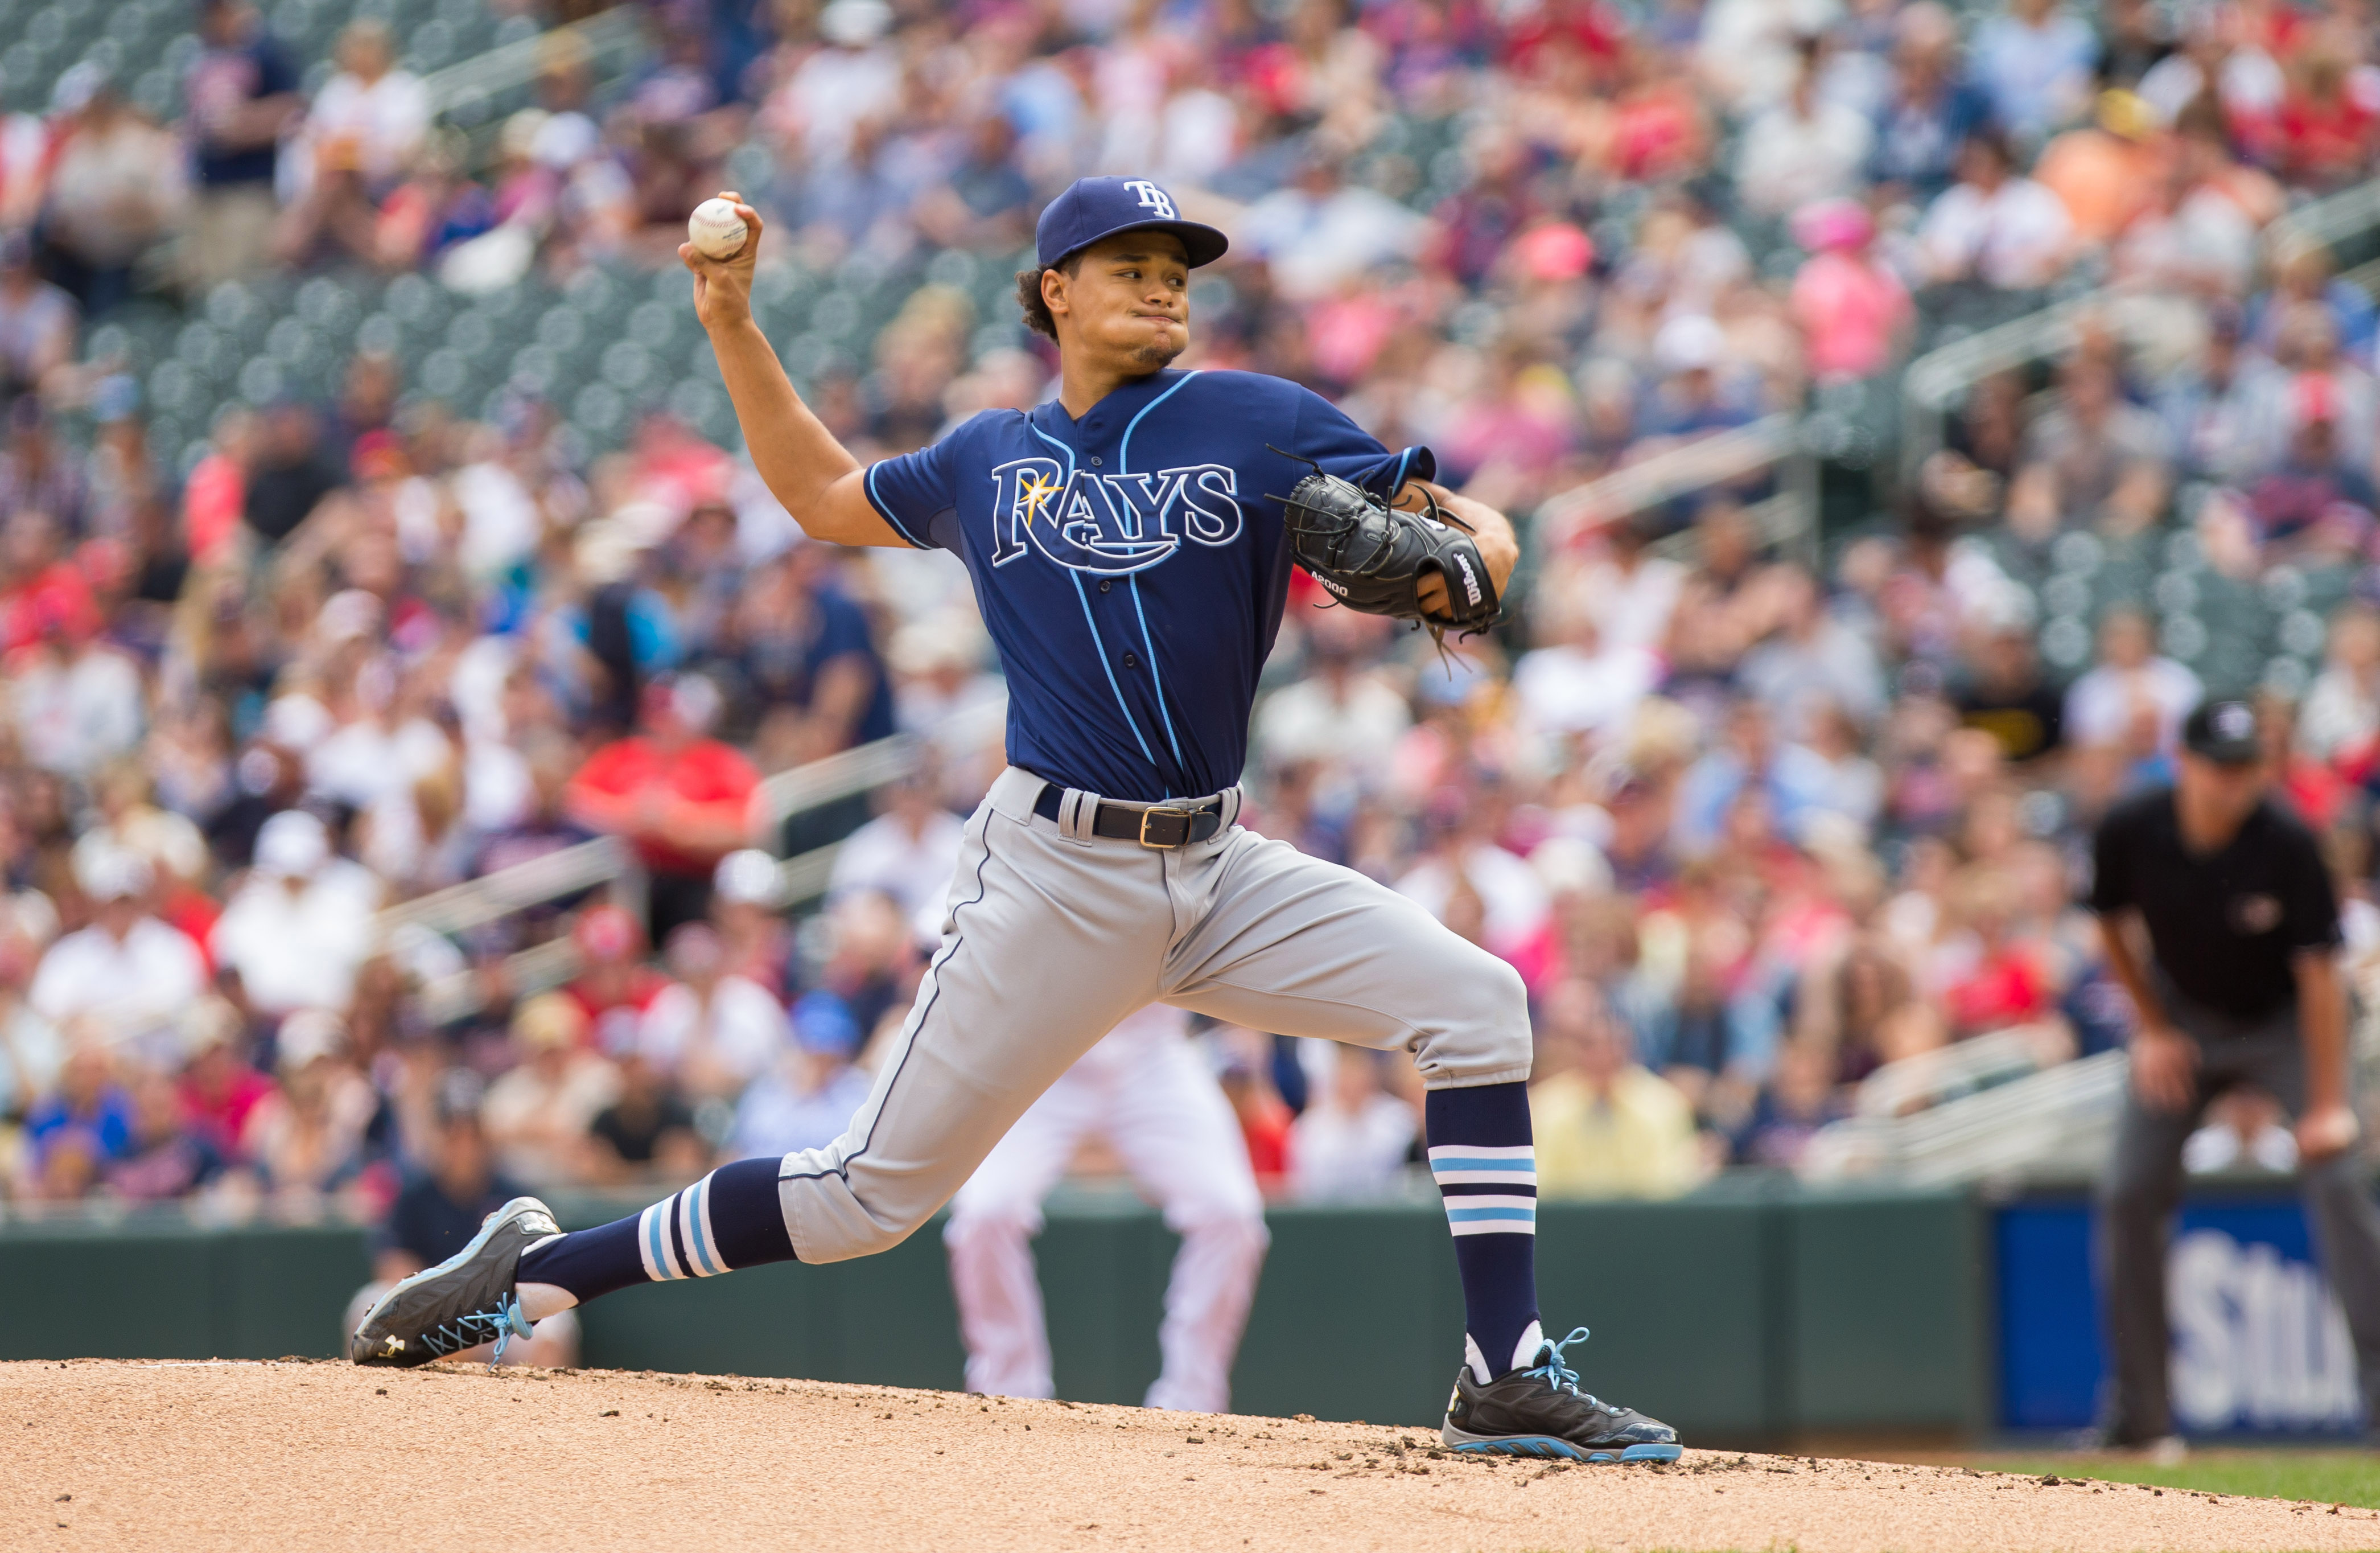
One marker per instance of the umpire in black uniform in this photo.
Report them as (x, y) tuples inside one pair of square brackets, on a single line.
[(2239, 985)]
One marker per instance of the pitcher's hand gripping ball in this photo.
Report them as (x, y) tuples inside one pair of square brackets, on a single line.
[(1374, 558), (716, 231)]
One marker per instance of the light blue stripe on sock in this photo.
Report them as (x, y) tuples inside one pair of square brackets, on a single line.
[(1464, 1215), (657, 1242), (698, 1198), (1524, 1167)]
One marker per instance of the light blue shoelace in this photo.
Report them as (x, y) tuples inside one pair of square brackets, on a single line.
[(1557, 1374), (511, 1321), (504, 1323)]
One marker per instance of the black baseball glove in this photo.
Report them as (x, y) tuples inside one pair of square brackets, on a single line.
[(1373, 556)]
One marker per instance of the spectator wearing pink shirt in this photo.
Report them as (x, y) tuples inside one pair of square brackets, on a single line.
[(1855, 316)]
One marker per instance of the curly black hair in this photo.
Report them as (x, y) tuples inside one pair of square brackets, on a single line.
[(1028, 293)]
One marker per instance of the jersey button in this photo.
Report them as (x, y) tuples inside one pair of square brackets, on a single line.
[(1095, 463), (1103, 584), (1131, 662)]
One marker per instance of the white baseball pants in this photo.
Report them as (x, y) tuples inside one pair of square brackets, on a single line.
[(1054, 939), (1146, 1091)]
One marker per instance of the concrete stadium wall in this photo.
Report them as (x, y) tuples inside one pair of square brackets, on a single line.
[(1743, 1315)]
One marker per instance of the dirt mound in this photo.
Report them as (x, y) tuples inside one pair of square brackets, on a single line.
[(107, 1454)]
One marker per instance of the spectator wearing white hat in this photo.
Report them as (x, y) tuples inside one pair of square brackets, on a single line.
[(1354, 1137), (116, 186), (1577, 683), (126, 979), (2134, 690), (808, 1095), (714, 1030), (298, 930), (307, 1136), (1806, 147), (37, 320), (537, 1113), (131, 820), (1994, 227), (2034, 61), (1344, 708), (905, 853), (939, 676), (373, 111), (31, 1050), (1697, 394), (745, 896), (856, 77)]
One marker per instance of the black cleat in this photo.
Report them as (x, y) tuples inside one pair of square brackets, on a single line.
[(1541, 1412), (464, 1301)]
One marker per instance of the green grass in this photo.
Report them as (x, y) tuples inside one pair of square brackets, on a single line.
[(2348, 1477)]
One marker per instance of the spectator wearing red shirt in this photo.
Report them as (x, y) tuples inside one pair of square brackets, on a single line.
[(2004, 980), (45, 593), (219, 1090), (2326, 135), (1264, 1122), (614, 985), (1586, 25), (682, 798)]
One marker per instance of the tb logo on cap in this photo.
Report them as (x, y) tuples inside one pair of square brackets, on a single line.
[(1152, 198)]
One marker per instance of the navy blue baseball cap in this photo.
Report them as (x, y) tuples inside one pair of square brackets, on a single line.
[(2224, 732), (1093, 208)]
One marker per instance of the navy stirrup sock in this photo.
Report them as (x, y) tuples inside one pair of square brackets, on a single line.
[(730, 1218), (1484, 1159)]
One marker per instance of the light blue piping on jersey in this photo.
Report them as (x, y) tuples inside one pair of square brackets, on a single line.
[(868, 484), (1101, 647), (1124, 449), (1156, 680), (1098, 645)]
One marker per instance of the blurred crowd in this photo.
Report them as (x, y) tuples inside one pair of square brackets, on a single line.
[(1756, 810)]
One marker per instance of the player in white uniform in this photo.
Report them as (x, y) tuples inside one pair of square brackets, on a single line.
[(1148, 1093)]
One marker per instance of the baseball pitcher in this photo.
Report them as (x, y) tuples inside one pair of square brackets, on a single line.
[(1129, 543)]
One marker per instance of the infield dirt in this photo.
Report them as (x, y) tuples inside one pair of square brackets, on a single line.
[(296, 1455)]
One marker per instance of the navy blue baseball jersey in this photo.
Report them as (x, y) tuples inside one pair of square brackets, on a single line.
[(1132, 565)]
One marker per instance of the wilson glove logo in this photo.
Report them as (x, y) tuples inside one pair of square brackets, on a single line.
[(1470, 580)]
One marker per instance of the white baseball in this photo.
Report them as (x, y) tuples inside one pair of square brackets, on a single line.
[(716, 231)]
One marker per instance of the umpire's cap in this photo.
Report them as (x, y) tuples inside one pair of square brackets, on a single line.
[(1093, 208), (2224, 732)]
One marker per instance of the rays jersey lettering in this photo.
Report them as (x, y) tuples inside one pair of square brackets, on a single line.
[(1110, 525), (1130, 564)]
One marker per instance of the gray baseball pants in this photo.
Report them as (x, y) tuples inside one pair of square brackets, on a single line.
[(1052, 938), (2143, 1186)]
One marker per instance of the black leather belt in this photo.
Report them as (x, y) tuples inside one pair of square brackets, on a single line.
[(1152, 824)]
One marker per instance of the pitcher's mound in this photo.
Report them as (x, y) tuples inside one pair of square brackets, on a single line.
[(244, 1455)]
